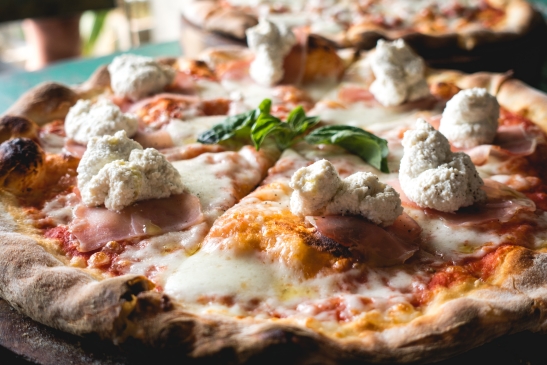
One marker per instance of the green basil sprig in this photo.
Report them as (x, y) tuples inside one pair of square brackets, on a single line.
[(259, 124), (366, 145), (235, 126), (286, 133)]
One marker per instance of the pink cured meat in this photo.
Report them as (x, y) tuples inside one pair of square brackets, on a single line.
[(96, 226), (502, 204), (372, 244), (510, 141)]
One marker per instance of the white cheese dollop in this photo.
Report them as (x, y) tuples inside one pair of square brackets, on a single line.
[(85, 120), (135, 77), (399, 74), (117, 172), (319, 190), (470, 118), (432, 176), (270, 43)]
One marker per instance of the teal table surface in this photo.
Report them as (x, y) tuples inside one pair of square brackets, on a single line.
[(14, 84)]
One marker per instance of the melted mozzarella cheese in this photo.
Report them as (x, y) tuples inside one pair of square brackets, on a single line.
[(453, 243), (208, 90), (161, 254), (186, 132), (228, 282), (251, 93), (209, 182), (215, 178), (361, 115), (60, 208), (221, 274), (52, 143)]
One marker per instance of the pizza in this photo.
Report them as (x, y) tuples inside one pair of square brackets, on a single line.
[(362, 23), (470, 36), (278, 203)]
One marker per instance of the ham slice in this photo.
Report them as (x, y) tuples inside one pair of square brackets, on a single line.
[(510, 141), (405, 201), (94, 227), (122, 103), (184, 101), (73, 148), (502, 205), (350, 94), (354, 93), (183, 83), (157, 139), (369, 242)]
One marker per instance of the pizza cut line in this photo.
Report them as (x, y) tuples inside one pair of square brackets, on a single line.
[(202, 206)]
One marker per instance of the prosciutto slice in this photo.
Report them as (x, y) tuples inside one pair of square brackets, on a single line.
[(94, 227), (157, 139), (73, 148), (369, 242), (502, 205), (510, 141)]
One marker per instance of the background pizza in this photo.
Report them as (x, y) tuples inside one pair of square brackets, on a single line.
[(495, 36)]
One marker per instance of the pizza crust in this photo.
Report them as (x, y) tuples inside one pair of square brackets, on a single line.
[(44, 103), (512, 94), (455, 326), (42, 287), (520, 98)]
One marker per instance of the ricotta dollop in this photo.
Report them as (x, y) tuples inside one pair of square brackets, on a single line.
[(470, 118), (117, 172), (135, 77), (399, 74), (271, 43), (432, 176), (319, 190), (86, 120)]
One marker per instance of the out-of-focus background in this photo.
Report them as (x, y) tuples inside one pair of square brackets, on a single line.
[(105, 26), (66, 40)]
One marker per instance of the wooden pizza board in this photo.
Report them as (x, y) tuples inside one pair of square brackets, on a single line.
[(30, 342)]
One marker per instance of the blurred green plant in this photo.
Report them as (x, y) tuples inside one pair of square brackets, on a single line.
[(90, 36)]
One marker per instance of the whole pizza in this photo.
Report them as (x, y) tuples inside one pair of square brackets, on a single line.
[(279, 203)]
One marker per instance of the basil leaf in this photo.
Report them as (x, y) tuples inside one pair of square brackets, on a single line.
[(225, 130), (366, 145), (298, 121), (285, 134), (236, 125), (258, 124), (264, 126), (264, 107)]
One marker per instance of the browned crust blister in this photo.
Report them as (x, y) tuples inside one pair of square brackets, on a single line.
[(38, 284)]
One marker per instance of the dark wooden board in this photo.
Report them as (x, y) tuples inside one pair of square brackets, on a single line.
[(34, 343)]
